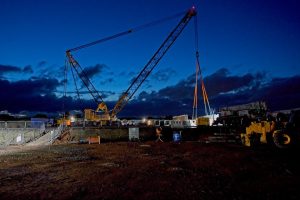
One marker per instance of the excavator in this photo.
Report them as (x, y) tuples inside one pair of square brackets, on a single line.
[(110, 115), (278, 132)]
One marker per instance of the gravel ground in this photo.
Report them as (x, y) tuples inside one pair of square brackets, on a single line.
[(149, 170)]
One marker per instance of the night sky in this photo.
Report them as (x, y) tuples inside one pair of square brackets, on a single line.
[(249, 51)]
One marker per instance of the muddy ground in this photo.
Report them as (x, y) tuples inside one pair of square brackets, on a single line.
[(149, 170)]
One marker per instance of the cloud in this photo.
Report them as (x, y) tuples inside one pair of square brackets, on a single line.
[(183, 89), (91, 71), (163, 74), (282, 93), (29, 87), (106, 94), (221, 82), (51, 71), (36, 95), (223, 88), (9, 69), (108, 80), (278, 93), (41, 64), (160, 76), (27, 94), (28, 69), (88, 73), (39, 93)]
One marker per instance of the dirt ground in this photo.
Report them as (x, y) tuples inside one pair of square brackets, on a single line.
[(149, 170)]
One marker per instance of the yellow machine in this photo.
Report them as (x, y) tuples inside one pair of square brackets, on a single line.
[(259, 132), (202, 121), (92, 115), (65, 122)]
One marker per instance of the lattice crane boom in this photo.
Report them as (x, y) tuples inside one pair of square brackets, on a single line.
[(128, 94), (86, 81)]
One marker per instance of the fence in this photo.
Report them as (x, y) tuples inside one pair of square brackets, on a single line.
[(56, 133), (20, 132)]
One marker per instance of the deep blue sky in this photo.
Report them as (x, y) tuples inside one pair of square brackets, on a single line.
[(249, 50)]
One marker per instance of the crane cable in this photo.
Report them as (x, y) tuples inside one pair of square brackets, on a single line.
[(67, 65), (195, 103), (76, 87), (65, 91), (135, 29), (198, 71)]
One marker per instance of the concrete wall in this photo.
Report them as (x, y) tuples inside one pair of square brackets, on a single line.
[(145, 133), (110, 134)]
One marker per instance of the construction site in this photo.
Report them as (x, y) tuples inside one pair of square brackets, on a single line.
[(241, 151)]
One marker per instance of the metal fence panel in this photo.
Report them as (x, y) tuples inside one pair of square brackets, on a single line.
[(19, 132)]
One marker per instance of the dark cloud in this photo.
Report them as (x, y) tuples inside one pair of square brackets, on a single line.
[(108, 80), (279, 93), (28, 69), (9, 69), (106, 94), (52, 71), (224, 89), (158, 107), (91, 71), (39, 93), (29, 87), (160, 76), (88, 73), (222, 82), (163, 75), (41, 64), (144, 85), (183, 89), (25, 92)]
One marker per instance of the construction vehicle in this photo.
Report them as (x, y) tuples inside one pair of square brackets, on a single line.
[(288, 133), (105, 114), (278, 132), (64, 122), (210, 116), (257, 133), (90, 115), (239, 117), (252, 110)]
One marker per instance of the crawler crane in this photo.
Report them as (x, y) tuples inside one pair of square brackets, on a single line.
[(106, 115)]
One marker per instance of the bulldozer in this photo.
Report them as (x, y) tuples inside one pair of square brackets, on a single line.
[(278, 132)]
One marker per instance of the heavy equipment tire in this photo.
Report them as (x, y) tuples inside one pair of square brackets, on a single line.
[(281, 140)]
